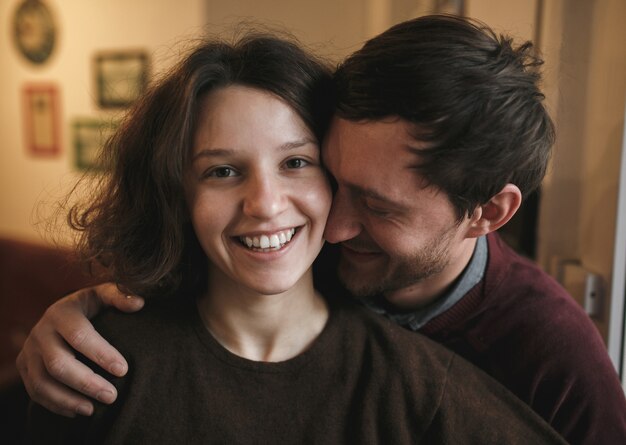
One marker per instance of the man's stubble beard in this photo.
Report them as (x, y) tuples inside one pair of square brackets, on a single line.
[(400, 271)]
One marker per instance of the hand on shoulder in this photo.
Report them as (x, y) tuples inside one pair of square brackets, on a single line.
[(47, 363)]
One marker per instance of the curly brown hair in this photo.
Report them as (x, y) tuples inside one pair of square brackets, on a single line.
[(136, 223)]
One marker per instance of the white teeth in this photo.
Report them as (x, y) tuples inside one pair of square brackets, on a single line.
[(265, 242), (274, 241)]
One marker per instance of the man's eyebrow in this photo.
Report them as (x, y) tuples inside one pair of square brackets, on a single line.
[(373, 194), (215, 152)]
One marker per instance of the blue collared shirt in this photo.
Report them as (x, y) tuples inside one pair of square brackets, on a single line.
[(473, 273)]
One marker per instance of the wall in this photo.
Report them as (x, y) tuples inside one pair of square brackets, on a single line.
[(84, 27), (603, 140), (515, 18), (333, 28), (584, 84), (579, 206), (28, 185)]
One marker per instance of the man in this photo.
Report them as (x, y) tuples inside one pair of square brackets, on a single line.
[(440, 131)]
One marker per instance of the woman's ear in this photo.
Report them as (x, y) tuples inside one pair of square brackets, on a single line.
[(496, 212)]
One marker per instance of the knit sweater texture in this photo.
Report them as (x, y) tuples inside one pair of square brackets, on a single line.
[(364, 380), (525, 330)]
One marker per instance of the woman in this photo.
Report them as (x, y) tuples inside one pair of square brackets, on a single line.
[(215, 207)]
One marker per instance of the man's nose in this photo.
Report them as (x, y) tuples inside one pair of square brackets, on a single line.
[(265, 197), (343, 223)]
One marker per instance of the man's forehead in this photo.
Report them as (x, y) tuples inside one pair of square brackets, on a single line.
[(390, 140), (374, 159), (393, 129)]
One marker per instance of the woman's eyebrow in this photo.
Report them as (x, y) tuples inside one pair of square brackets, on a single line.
[(210, 152), (296, 144), (215, 152)]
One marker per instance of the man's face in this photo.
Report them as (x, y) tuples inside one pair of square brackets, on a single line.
[(399, 236)]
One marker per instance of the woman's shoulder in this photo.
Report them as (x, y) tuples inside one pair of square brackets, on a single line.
[(454, 398), (412, 353), (158, 320)]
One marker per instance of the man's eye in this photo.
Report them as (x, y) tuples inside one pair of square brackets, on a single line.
[(296, 163), (376, 211), (221, 172)]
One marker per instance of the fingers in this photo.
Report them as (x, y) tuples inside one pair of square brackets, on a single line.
[(53, 377), (70, 323), (65, 369), (49, 393), (44, 381), (108, 294)]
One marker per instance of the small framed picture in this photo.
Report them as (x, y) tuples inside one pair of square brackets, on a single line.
[(449, 7), (41, 119), (90, 136), (121, 77), (425, 7), (34, 31)]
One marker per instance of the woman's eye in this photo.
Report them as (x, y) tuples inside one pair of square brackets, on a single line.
[(296, 163), (221, 172)]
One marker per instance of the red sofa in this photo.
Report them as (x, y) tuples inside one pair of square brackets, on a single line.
[(32, 276)]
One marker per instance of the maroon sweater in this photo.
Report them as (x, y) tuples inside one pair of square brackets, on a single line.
[(521, 327), (364, 380)]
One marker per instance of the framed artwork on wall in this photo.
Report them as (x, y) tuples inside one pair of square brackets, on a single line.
[(90, 136), (120, 77), (449, 6), (34, 31), (424, 7), (40, 104)]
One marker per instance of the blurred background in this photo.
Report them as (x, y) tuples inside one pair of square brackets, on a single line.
[(70, 68)]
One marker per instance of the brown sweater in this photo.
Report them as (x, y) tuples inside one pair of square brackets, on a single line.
[(364, 380)]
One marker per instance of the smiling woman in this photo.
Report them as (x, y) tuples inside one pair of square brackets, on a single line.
[(215, 207), (266, 179)]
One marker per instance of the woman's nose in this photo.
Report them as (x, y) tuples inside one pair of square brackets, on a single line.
[(265, 197)]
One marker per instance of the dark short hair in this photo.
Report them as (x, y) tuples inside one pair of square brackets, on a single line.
[(472, 95), (137, 225)]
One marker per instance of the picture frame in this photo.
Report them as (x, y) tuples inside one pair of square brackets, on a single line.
[(34, 31), (120, 77), (90, 136), (40, 103), (456, 7)]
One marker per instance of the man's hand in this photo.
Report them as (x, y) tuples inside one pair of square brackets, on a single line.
[(52, 375)]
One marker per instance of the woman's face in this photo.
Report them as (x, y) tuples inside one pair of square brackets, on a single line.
[(256, 191)]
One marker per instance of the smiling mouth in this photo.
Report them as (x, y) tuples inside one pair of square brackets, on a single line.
[(268, 243), (359, 255), (359, 250)]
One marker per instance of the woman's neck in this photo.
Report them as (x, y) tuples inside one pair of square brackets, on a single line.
[(259, 327)]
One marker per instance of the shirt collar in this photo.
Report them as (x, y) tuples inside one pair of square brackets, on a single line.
[(472, 275)]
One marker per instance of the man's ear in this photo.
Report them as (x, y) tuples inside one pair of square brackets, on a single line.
[(496, 212)]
